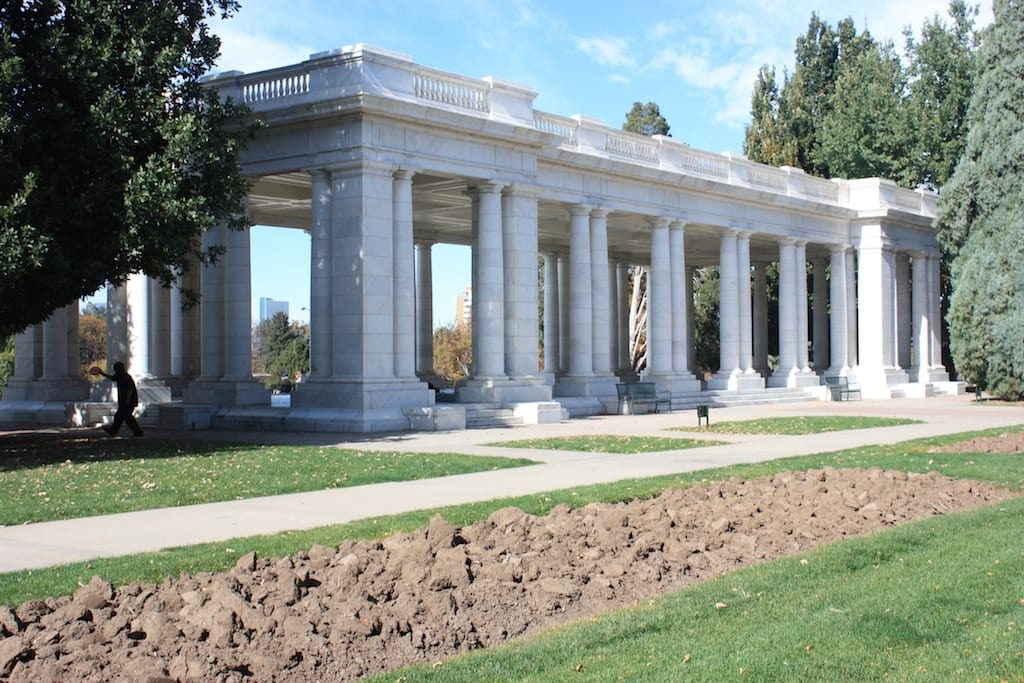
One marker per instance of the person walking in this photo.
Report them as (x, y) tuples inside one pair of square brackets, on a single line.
[(127, 399)]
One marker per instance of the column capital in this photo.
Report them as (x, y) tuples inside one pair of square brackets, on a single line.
[(658, 221), (520, 190), (744, 234), (838, 248), (801, 244), (580, 210), (424, 243), (403, 174), (787, 242), (318, 172), (600, 212), (678, 224), (484, 187)]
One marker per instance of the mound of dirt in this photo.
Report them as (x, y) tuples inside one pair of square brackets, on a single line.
[(1007, 442), (339, 613)]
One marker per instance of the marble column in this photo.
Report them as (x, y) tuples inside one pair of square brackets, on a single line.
[(117, 325), (403, 258), (801, 307), (320, 306), (853, 355), (760, 320), (788, 315), (238, 307), (677, 252), (424, 310), (160, 329), (822, 354), (745, 314), (601, 300), (935, 313), (581, 357), (903, 317), (211, 290), (139, 326), (488, 284), (622, 365), (921, 331), (176, 330), (519, 248), (659, 301), (877, 371), (614, 317), (837, 329), (552, 317), (26, 369), (729, 336), (688, 296), (563, 313)]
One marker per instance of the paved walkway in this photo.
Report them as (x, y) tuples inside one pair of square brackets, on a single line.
[(45, 544)]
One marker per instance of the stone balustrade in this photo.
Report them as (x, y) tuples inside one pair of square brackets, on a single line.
[(334, 74)]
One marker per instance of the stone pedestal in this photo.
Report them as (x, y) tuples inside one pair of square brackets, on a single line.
[(501, 390), (224, 393), (736, 381)]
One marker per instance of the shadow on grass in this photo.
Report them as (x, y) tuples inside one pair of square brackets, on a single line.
[(29, 449)]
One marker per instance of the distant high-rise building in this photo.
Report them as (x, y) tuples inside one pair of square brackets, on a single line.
[(464, 306), (269, 307)]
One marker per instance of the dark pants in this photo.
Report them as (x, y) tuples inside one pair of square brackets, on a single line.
[(124, 415)]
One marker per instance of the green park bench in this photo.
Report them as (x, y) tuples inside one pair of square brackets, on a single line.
[(841, 388), (642, 394)]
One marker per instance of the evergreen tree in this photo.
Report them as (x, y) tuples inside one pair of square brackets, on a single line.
[(646, 119), (981, 219)]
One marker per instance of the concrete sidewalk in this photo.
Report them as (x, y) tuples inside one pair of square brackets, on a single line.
[(32, 546)]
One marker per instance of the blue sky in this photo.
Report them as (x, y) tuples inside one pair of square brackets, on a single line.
[(697, 60)]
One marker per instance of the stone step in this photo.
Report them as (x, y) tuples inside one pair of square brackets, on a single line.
[(484, 415)]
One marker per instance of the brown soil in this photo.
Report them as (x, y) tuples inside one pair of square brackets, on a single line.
[(1007, 442), (339, 613)]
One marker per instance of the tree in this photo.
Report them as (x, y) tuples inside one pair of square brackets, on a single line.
[(6, 360), (116, 158), (861, 135), (765, 139), (981, 220), (706, 347), (453, 351), (92, 341), (270, 339), (646, 119), (941, 75), (293, 359)]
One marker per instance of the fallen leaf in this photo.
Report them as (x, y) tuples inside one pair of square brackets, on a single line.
[(578, 668), (720, 605), (808, 648), (804, 562), (686, 659)]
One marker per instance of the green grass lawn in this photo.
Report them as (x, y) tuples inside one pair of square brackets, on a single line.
[(810, 424), (913, 456), (609, 444), (64, 476)]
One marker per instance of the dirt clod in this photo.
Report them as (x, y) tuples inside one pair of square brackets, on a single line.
[(339, 613)]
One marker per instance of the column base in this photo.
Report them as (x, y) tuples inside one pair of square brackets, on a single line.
[(504, 390), (930, 375), (225, 392), (586, 386), (736, 381), (681, 383), (363, 395), (63, 389), (880, 382), (793, 379)]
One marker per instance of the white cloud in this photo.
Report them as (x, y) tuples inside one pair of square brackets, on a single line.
[(606, 51), (248, 52), (697, 70), (618, 78), (662, 30)]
